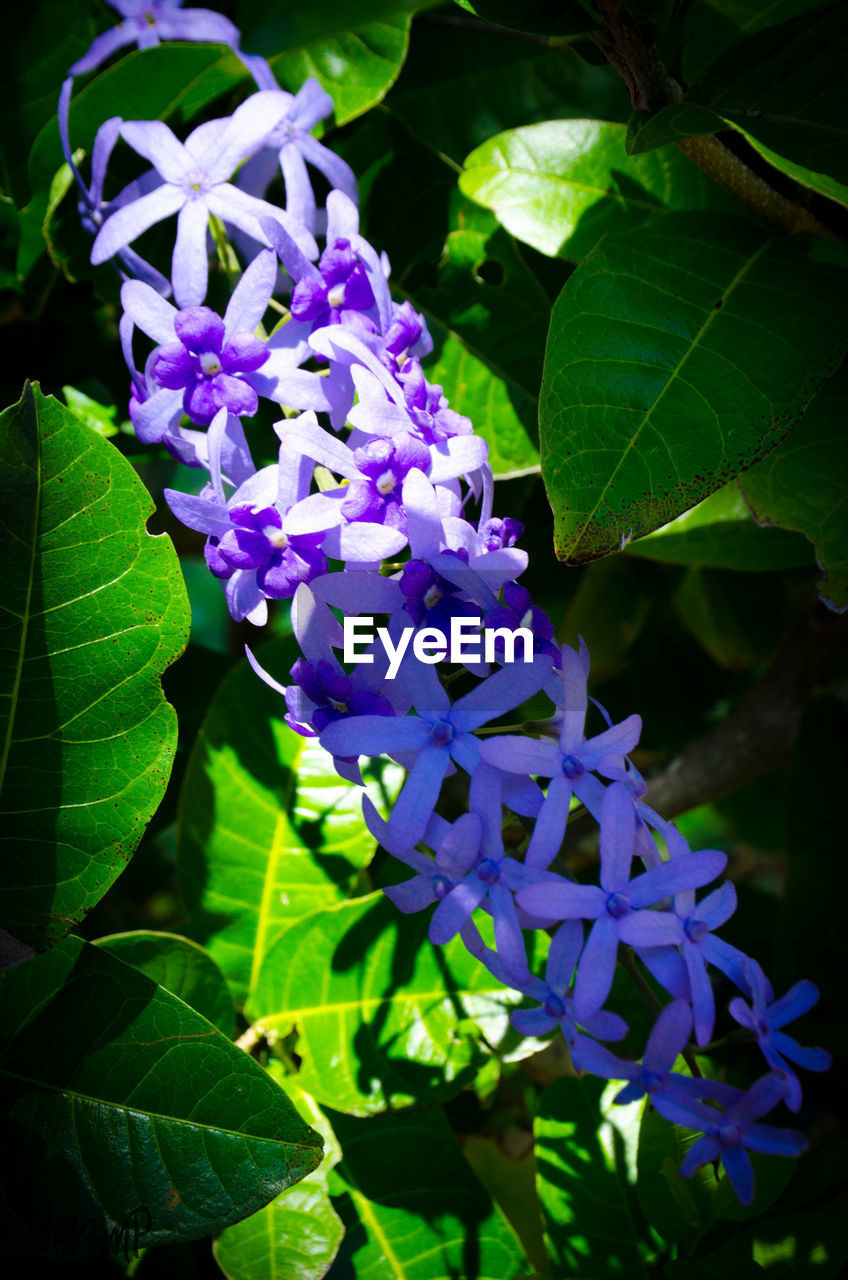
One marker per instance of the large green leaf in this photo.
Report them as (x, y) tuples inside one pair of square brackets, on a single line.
[(125, 1106), (720, 533), (561, 185), (420, 1213), (677, 357), (93, 612), (181, 967), (354, 48), (296, 1236), (268, 832), (588, 1215), (803, 485), (384, 1017)]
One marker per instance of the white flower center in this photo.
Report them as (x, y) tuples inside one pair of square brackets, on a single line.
[(276, 537), (336, 296), (386, 482), (210, 363), (432, 596)]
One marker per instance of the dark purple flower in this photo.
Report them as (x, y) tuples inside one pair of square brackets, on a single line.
[(383, 465), (432, 600), (333, 695), (206, 366), (256, 543), (428, 408), (517, 611)]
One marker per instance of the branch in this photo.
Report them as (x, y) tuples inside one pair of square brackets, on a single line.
[(758, 737), (627, 48)]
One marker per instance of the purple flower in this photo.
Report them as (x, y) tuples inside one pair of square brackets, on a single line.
[(556, 1003), (146, 22), (666, 1042), (203, 363), (618, 907), (333, 695), (195, 184), (730, 1135), (207, 366), (517, 611), (570, 763), (766, 1017), (290, 146), (438, 734)]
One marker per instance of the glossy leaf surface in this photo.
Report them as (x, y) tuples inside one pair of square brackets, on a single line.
[(93, 613), (124, 1102), (296, 1236), (268, 832), (676, 358), (384, 1017), (561, 185)]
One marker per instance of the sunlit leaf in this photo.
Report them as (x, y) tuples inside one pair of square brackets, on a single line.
[(384, 1018), (677, 357), (561, 185), (93, 612), (420, 1212), (268, 831)]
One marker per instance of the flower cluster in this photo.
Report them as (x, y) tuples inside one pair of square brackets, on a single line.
[(401, 478)]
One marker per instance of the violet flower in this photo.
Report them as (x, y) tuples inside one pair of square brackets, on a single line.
[(766, 1017), (146, 22), (195, 184), (729, 1136), (618, 906)]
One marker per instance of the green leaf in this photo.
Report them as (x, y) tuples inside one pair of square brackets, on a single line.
[(93, 612), (561, 185), (609, 610), (541, 17), (297, 1236), (677, 357), (353, 48), (454, 94), (384, 1017), (680, 1209), (268, 832), (100, 417), (420, 1213), (803, 485), (125, 1105), (648, 130), (585, 1201), (487, 314), (784, 88), (181, 967), (720, 533)]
